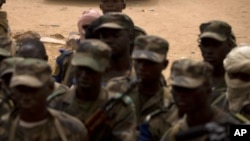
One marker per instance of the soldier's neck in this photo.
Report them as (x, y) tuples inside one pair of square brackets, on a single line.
[(36, 116), (120, 63), (88, 94), (149, 89), (218, 71), (201, 117)]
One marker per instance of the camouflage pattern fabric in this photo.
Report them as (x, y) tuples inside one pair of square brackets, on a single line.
[(5, 46), (115, 20), (7, 67), (151, 48), (216, 29), (190, 73), (120, 127), (219, 116), (57, 127), (4, 27), (92, 53), (31, 72)]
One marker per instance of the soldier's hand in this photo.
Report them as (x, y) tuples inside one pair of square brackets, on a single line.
[(2, 2)]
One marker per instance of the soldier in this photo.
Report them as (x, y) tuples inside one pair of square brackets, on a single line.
[(237, 66), (6, 70), (106, 117), (191, 83), (117, 31), (150, 96), (33, 48), (215, 41), (31, 84)]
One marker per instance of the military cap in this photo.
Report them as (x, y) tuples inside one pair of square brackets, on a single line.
[(92, 53), (218, 30), (115, 20), (5, 46), (151, 48), (8, 65), (31, 72), (190, 73)]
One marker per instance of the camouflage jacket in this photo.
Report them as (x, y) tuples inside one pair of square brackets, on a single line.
[(120, 126), (4, 27), (58, 127), (219, 116), (59, 91), (121, 84), (6, 104)]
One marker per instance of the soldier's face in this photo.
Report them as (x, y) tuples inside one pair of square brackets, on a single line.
[(148, 71), (118, 40), (112, 6), (214, 51), (87, 77), (30, 99), (189, 100)]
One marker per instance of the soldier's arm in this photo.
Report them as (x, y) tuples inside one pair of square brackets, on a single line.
[(124, 122)]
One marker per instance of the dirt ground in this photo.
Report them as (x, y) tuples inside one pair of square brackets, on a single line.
[(175, 20)]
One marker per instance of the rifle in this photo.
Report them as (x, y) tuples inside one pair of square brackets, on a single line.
[(2, 2), (214, 132), (101, 115)]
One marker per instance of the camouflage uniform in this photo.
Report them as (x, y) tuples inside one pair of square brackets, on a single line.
[(4, 27), (57, 126), (120, 124), (5, 47), (116, 20), (154, 49), (238, 91), (220, 31), (192, 74), (6, 68)]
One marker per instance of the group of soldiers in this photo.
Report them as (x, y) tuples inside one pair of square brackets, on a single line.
[(110, 85)]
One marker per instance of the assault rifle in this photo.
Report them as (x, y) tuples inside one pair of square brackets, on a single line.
[(102, 114)]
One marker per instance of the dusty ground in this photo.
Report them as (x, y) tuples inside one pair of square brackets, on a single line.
[(175, 20)]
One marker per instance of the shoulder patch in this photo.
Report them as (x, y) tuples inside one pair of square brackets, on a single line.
[(125, 99)]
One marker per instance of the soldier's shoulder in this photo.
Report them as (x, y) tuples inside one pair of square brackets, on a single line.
[(118, 84), (221, 116), (125, 99), (68, 122)]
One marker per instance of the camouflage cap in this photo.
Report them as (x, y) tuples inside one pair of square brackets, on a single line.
[(218, 30), (151, 48), (5, 46), (190, 73), (8, 65), (115, 20), (92, 53), (31, 72)]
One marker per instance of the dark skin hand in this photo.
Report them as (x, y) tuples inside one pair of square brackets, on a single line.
[(88, 83)]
